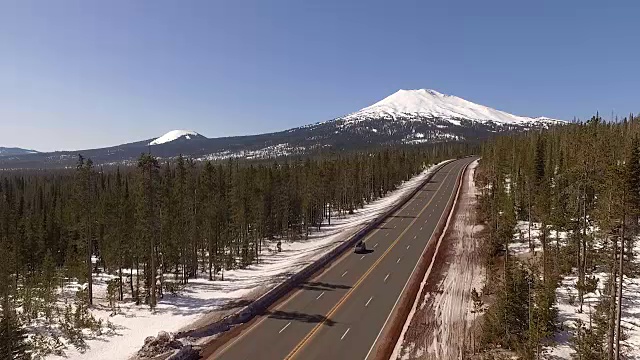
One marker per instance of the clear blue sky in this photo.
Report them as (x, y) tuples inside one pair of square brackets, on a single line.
[(80, 74)]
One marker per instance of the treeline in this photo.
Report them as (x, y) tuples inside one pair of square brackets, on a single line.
[(583, 180), (182, 217)]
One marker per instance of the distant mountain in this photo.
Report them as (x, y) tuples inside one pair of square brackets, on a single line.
[(177, 135), (405, 117), (5, 151), (426, 105), (423, 116)]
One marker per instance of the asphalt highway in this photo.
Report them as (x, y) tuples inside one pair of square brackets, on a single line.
[(341, 312)]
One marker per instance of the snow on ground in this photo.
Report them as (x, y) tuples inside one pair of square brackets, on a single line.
[(568, 313), (526, 240), (442, 326), (202, 298), (567, 296), (271, 151)]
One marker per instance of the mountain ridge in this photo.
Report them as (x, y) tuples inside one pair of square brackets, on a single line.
[(11, 151), (404, 117)]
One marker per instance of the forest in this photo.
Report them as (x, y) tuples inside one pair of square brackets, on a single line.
[(577, 189), (161, 223)]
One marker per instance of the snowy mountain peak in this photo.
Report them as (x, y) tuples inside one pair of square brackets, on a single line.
[(175, 135), (427, 103)]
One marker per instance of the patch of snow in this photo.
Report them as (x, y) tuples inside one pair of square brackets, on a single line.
[(432, 136), (173, 135), (272, 151)]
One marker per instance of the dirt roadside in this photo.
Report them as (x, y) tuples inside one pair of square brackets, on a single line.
[(443, 325)]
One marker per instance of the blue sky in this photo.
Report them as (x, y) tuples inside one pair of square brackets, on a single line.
[(82, 74)]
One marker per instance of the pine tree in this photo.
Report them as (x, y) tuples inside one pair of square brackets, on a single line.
[(85, 209), (148, 215), (13, 343)]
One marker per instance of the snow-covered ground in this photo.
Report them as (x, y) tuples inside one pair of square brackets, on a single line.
[(522, 247), (568, 313), (202, 298), (567, 296)]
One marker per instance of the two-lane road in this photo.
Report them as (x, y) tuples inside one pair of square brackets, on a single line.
[(341, 312)]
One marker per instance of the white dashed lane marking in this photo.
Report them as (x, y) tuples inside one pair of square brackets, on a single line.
[(286, 326)]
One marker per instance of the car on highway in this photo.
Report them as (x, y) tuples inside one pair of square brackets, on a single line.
[(360, 247)]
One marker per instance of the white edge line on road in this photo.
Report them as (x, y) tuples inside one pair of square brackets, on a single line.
[(405, 285), (345, 333), (286, 326)]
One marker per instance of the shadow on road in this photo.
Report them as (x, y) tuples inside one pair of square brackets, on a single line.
[(322, 286), (296, 316), (402, 216)]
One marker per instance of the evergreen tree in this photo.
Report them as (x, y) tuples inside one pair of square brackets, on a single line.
[(13, 343)]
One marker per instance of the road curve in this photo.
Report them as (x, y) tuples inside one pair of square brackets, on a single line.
[(341, 312)]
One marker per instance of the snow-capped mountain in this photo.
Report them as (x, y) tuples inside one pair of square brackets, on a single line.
[(405, 117), (422, 116), (430, 104), (174, 135)]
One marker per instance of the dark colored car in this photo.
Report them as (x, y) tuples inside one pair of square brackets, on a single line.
[(360, 247)]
